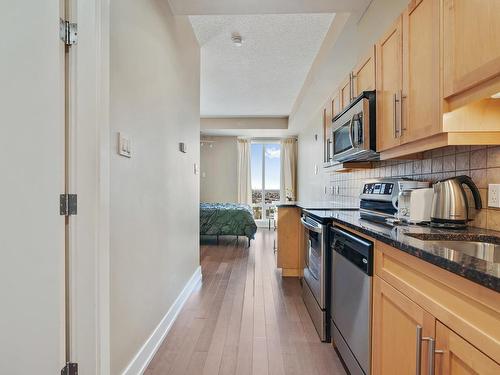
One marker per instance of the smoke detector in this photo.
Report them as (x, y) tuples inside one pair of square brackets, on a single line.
[(237, 39)]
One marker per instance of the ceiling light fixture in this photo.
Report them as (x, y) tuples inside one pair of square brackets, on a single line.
[(496, 96), (237, 39)]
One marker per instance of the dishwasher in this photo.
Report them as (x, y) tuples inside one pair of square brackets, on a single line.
[(351, 298)]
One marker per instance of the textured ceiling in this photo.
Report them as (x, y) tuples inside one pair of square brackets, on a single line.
[(264, 76), (198, 7)]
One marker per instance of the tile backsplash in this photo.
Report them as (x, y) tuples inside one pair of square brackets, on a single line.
[(481, 163)]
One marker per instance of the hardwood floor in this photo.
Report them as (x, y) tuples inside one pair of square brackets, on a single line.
[(244, 319)]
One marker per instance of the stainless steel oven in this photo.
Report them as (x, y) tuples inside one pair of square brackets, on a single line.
[(353, 131), (314, 291)]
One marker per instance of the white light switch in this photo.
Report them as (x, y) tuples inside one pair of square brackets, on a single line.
[(124, 145), (316, 169), (196, 169), (494, 195)]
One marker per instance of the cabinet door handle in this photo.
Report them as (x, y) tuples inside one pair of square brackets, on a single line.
[(394, 115), (418, 344)]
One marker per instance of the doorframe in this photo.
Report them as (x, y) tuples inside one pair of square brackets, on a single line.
[(89, 177)]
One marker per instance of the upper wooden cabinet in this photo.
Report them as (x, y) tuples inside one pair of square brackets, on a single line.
[(471, 48), (389, 78), (363, 75), (345, 93), (450, 58), (421, 99), (336, 104), (327, 132)]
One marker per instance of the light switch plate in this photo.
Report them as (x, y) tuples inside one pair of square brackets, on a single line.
[(494, 195), (196, 169), (124, 145)]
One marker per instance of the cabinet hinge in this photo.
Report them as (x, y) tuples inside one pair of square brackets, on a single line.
[(68, 32), (70, 369), (68, 204)]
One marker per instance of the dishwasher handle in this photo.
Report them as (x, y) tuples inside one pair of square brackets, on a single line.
[(314, 228)]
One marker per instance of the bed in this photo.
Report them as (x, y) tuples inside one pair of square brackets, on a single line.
[(227, 219)]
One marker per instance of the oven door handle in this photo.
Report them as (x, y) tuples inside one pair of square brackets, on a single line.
[(313, 228)]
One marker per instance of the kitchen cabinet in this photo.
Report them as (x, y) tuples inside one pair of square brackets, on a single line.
[(336, 104), (288, 241), (345, 93), (389, 78), (363, 75), (398, 323), (471, 49), (456, 356), (468, 310), (421, 99), (416, 305), (327, 132), (450, 58)]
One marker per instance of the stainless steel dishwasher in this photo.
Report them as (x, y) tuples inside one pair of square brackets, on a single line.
[(351, 296)]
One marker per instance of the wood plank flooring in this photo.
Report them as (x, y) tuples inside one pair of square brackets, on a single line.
[(244, 319)]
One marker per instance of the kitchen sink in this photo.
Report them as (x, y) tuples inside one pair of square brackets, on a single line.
[(475, 247)]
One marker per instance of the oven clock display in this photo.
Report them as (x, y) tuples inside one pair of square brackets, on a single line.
[(379, 189)]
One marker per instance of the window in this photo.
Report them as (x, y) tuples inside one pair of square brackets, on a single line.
[(265, 179)]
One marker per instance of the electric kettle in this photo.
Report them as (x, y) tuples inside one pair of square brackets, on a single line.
[(450, 208)]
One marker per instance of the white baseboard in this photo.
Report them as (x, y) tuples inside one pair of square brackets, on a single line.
[(141, 360)]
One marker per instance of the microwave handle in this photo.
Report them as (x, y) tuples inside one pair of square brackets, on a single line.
[(329, 150), (351, 131)]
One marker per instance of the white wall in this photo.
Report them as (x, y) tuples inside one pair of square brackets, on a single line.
[(358, 35), (219, 170), (154, 213)]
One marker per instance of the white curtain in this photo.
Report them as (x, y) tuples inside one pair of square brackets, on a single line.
[(288, 181), (244, 175)]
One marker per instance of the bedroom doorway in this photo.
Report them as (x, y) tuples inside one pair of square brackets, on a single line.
[(266, 174)]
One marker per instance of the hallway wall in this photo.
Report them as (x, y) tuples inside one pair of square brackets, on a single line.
[(154, 213)]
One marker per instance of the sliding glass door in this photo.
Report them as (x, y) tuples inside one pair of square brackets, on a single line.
[(266, 174)]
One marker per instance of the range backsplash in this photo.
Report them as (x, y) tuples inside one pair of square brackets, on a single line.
[(481, 163)]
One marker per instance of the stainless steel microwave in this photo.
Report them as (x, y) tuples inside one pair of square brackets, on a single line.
[(353, 136)]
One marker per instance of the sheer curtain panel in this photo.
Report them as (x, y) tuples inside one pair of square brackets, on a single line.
[(244, 175), (288, 181)]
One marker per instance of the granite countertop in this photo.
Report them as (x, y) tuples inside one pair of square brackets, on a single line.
[(320, 205), (483, 272)]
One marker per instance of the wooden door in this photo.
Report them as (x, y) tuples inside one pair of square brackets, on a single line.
[(394, 333), (421, 99), (32, 261), (345, 93), (459, 357), (471, 43), (364, 74), (389, 79)]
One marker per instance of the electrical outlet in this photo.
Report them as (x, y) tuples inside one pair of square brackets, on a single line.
[(332, 190), (494, 195)]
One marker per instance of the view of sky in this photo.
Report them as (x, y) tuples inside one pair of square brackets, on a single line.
[(272, 161)]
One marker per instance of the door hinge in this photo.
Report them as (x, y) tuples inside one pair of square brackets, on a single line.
[(68, 32), (70, 369), (68, 204)]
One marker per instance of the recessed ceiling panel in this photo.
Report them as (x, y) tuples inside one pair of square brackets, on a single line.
[(264, 75)]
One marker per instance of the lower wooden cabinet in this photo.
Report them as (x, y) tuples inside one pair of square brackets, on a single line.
[(288, 241), (399, 325), (456, 356), (429, 321)]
